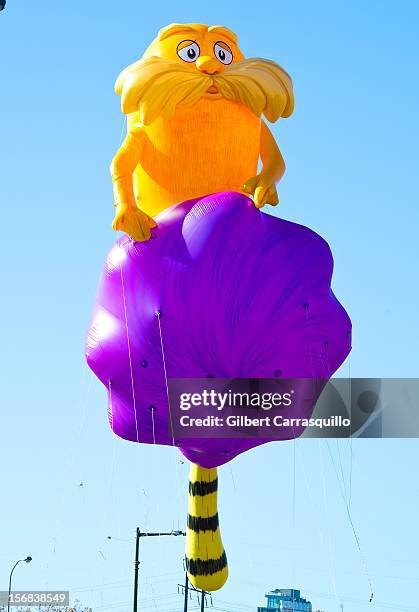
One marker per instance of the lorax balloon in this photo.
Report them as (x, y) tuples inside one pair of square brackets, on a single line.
[(221, 289)]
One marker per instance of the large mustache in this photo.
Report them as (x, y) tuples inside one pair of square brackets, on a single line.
[(156, 86)]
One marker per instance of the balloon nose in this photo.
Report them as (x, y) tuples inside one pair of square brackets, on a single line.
[(208, 65)]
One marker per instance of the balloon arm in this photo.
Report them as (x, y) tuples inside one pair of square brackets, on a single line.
[(272, 160), (122, 169), (129, 217), (262, 186)]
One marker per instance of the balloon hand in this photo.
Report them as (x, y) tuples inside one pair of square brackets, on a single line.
[(262, 187), (134, 222)]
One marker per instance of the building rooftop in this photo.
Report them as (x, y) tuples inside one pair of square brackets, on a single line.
[(286, 600)]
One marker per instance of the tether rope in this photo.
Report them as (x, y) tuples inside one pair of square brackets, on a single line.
[(354, 531), (129, 351), (158, 315)]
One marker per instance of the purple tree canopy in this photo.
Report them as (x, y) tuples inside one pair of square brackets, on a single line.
[(241, 294)]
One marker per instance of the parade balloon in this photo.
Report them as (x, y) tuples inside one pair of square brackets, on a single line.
[(205, 285)]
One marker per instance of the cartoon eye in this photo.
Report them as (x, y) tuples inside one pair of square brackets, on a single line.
[(189, 53), (223, 53)]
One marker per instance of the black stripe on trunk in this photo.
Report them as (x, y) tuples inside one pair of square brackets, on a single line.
[(199, 523), (201, 488), (206, 567)]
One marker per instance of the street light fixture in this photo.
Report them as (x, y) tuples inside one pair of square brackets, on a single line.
[(26, 560)]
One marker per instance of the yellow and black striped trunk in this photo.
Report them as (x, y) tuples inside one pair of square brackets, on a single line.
[(206, 560)]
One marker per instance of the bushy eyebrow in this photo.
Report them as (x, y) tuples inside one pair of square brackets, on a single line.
[(223, 31), (183, 28), (176, 28)]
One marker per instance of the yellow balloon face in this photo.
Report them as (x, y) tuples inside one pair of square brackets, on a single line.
[(208, 50), (187, 62)]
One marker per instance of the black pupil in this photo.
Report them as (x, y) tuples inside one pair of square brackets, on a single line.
[(221, 54), (191, 53)]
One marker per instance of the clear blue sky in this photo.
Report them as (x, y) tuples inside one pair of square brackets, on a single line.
[(351, 150)]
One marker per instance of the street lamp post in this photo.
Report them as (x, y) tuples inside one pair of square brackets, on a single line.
[(185, 602), (145, 534), (136, 567), (27, 560)]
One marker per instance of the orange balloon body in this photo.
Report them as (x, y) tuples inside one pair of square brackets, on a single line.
[(211, 147)]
